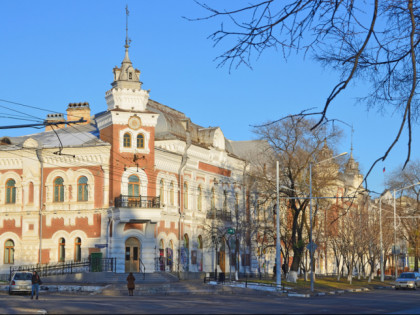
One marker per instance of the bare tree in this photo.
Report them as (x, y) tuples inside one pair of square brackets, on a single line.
[(408, 205), (294, 144), (376, 42)]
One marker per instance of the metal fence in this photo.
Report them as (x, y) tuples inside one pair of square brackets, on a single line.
[(69, 267)]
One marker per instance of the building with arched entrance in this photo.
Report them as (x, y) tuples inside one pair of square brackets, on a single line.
[(139, 182)]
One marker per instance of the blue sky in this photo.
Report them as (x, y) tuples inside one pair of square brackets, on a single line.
[(57, 52)]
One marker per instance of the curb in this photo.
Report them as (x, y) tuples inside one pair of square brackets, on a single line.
[(298, 295)]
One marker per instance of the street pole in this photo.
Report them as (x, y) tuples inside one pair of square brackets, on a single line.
[(310, 226), (278, 248), (380, 238), (311, 245), (395, 239)]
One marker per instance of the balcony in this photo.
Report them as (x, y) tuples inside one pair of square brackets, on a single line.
[(125, 201), (219, 214), (138, 209)]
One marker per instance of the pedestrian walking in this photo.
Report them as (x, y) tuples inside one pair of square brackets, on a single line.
[(130, 284), (36, 282)]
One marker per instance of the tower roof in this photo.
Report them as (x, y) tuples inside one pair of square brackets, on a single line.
[(126, 76)]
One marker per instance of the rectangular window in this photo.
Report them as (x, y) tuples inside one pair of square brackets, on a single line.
[(135, 253)]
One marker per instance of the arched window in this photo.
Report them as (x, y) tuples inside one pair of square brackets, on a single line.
[(170, 255), (200, 242), (58, 190), (199, 199), (31, 193), (225, 200), (162, 191), (140, 141), (236, 205), (133, 186), (213, 199), (9, 252), (185, 195), (62, 250), (77, 249), (11, 191), (171, 193), (82, 189), (127, 140), (200, 253), (161, 255)]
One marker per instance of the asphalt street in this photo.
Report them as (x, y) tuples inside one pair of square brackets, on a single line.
[(378, 302)]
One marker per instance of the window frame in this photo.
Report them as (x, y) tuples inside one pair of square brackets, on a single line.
[(61, 249), (82, 189), (10, 192), (77, 249), (140, 141), (133, 185), (127, 140), (58, 193), (162, 191), (172, 193), (200, 198), (10, 250)]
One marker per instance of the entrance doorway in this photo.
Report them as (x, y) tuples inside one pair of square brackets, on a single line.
[(132, 254)]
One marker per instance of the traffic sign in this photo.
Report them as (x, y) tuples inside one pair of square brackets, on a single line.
[(311, 247), (231, 231)]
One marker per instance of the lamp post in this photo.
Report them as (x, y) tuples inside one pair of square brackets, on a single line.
[(311, 245), (380, 239), (278, 248), (395, 230)]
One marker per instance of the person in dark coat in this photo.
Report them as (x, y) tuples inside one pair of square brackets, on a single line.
[(130, 284), (36, 282)]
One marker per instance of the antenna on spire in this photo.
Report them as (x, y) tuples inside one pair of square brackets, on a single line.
[(352, 131), (127, 40)]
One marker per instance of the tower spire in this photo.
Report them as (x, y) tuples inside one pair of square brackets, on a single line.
[(127, 40)]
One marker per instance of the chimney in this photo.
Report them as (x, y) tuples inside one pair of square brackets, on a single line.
[(77, 111), (54, 118)]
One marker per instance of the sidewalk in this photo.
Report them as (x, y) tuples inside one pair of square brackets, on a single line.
[(164, 284)]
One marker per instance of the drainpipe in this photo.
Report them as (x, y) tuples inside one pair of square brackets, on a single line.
[(180, 171), (41, 201)]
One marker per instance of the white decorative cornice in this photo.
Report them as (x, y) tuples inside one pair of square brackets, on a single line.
[(127, 99), (121, 118)]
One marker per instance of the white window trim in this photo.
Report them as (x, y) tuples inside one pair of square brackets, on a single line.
[(133, 148)]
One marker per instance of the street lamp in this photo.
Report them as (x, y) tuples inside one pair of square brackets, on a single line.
[(395, 230), (311, 245), (278, 249)]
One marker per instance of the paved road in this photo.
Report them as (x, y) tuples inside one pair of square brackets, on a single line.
[(380, 301)]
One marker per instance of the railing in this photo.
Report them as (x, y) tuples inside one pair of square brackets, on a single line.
[(69, 267), (219, 214), (142, 268), (125, 201)]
